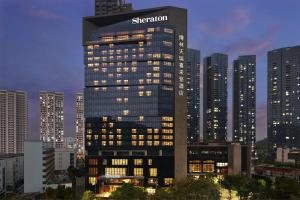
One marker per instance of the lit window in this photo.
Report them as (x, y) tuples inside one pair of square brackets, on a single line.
[(168, 181), (153, 172), (138, 161), (138, 171), (125, 112), (109, 171), (119, 161)]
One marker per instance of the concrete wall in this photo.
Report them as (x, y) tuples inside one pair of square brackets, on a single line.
[(33, 166)]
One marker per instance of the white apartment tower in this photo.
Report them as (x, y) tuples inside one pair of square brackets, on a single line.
[(52, 118), (79, 121), (13, 121)]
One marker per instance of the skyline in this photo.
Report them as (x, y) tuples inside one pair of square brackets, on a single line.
[(46, 68)]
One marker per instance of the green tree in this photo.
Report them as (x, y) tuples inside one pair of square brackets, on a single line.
[(88, 195), (128, 192), (190, 189), (286, 188)]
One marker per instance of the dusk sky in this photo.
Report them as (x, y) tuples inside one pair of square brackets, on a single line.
[(40, 44)]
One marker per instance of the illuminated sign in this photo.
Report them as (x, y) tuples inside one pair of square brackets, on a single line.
[(138, 20), (181, 64)]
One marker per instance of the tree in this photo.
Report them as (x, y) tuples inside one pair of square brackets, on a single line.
[(88, 195), (128, 192), (61, 193), (285, 188), (190, 189)]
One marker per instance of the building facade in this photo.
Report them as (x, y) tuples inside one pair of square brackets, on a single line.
[(13, 171), (193, 96), (2, 177), (13, 121), (39, 164), (215, 97), (108, 7), (244, 100), (64, 158), (135, 93), (79, 129), (219, 159), (284, 97), (52, 118)]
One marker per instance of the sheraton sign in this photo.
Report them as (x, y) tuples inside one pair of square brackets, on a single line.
[(138, 20)]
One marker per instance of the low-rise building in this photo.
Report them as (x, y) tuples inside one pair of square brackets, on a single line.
[(13, 173), (64, 158), (38, 166), (218, 158), (273, 172), (282, 155)]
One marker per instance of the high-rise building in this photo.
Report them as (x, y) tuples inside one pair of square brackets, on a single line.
[(193, 96), (244, 101), (13, 121), (135, 98), (284, 97), (215, 97), (79, 121), (52, 118), (108, 7)]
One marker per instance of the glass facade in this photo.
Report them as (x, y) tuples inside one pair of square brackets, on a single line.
[(129, 103), (244, 101), (284, 98), (215, 97)]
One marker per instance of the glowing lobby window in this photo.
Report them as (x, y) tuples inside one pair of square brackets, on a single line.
[(92, 180), (138, 171), (153, 172), (138, 161), (168, 181), (195, 166), (111, 171), (208, 167)]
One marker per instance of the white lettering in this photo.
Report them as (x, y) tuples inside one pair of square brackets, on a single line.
[(138, 20)]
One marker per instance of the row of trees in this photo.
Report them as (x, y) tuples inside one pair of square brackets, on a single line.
[(206, 188), (256, 189)]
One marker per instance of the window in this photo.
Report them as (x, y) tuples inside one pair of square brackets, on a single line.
[(149, 161), (92, 180), (138, 171), (93, 162), (110, 171), (138, 161), (119, 161), (169, 181), (153, 172), (93, 171)]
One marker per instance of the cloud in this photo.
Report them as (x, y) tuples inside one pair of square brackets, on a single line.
[(257, 46), (237, 21), (45, 14)]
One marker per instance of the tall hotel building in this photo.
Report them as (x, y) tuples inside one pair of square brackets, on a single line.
[(284, 97), (52, 118), (13, 121), (215, 97), (244, 101), (135, 98), (79, 128), (193, 96)]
